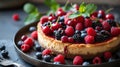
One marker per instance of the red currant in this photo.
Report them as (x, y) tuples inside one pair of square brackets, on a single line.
[(109, 16), (64, 39), (47, 30), (43, 19), (15, 17), (69, 31)]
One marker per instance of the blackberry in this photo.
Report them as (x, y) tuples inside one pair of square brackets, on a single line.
[(58, 34), (77, 37), (77, 32), (63, 25), (96, 23), (105, 33), (99, 37), (111, 22), (47, 58), (46, 24)]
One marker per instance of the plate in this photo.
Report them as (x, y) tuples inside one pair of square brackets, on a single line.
[(30, 56)]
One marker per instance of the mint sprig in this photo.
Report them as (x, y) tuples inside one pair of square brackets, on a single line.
[(84, 10), (33, 13)]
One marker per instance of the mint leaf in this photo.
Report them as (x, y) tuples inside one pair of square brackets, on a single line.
[(82, 7), (29, 8), (33, 17), (90, 8), (74, 15)]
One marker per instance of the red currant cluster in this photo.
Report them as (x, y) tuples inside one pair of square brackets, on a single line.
[(97, 27)]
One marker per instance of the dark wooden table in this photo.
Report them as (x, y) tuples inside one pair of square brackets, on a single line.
[(9, 27)]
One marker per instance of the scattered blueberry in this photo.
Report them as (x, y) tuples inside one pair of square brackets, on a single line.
[(31, 29), (85, 63), (111, 60), (19, 43), (2, 47), (38, 48), (56, 63), (47, 58), (38, 55), (4, 53)]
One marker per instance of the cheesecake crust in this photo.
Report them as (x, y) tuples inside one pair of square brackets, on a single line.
[(70, 50)]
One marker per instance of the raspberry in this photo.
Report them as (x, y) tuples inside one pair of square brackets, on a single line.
[(23, 37), (70, 39), (91, 31), (109, 16), (101, 14), (80, 19), (15, 17), (79, 26), (25, 47), (55, 26), (97, 60), (60, 12), (69, 31), (89, 39), (51, 18), (78, 60), (70, 22), (88, 23), (29, 41), (59, 58), (34, 35), (115, 31), (64, 39), (94, 14), (47, 30), (44, 19), (107, 55), (106, 25), (46, 52)]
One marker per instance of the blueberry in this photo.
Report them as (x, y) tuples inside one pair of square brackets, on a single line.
[(4, 53), (77, 32), (83, 31), (99, 37), (111, 60), (19, 43), (38, 55), (58, 34), (2, 47), (111, 22), (38, 48), (85, 63), (56, 63), (83, 35), (77, 37), (96, 23), (47, 58), (105, 33), (100, 15), (31, 29), (61, 19)]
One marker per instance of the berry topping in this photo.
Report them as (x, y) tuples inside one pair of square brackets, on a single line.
[(58, 34), (64, 39), (70, 22), (79, 26), (51, 18), (60, 12), (25, 47), (107, 55), (69, 31), (115, 31), (34, 35), (89, 39), (109, 16), (29, 41), (79, 19), (106, 26), (55, 26), (44, 19), (38, 55), (97, 60), (78, 60), (111, 22), (46, 52), (101, 14), (70, 39), (59, 58), (77, 37), (47, 58), (47, 30), (88, 23), (91, 31), (24, 37), (15, 17)]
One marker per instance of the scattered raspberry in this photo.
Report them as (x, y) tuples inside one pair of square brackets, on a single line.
[(59, 58), (47, 30), (24, 37), (89, 39), (43, 19), (64, 39), (25, 47), (97, 60), (107, 55), (115, 31), (69, 31), (106, 26), (46, 52), (88, 23), (34, 35), (91, 31), (79, 26), (15, 17), (78, 60), (70, 39), (29, 41)]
